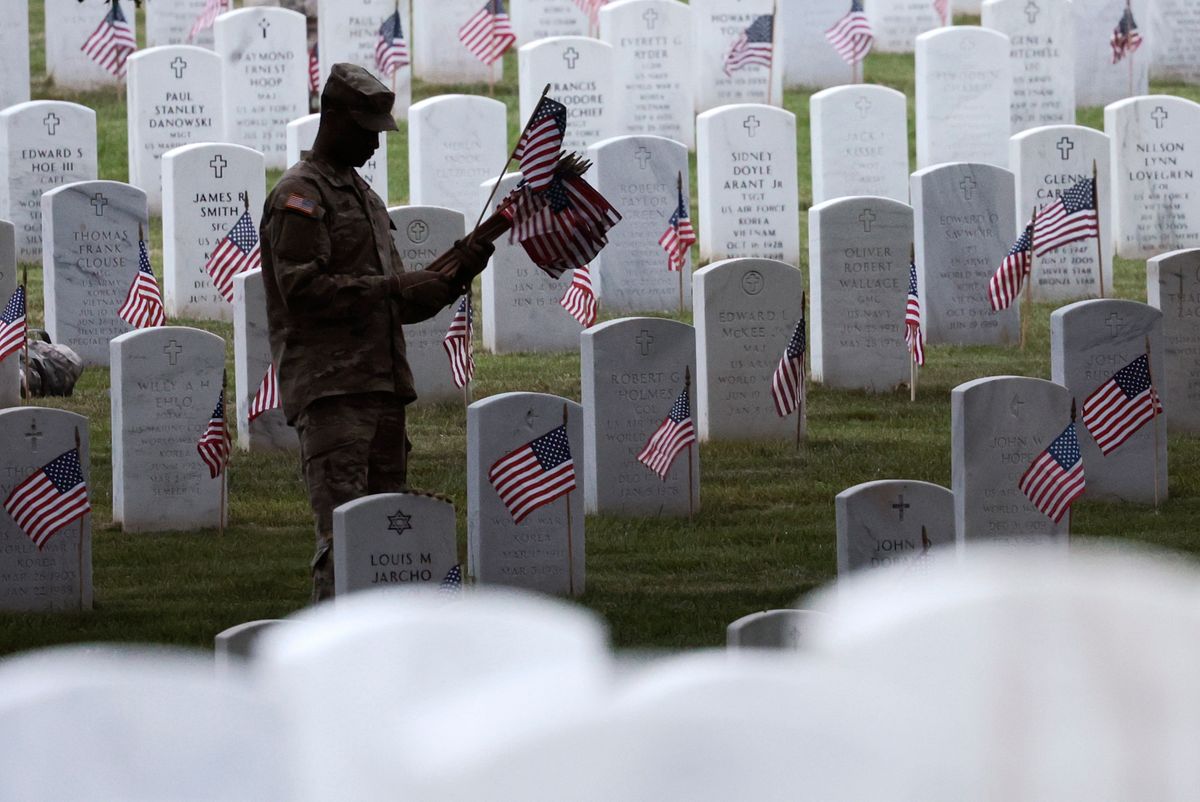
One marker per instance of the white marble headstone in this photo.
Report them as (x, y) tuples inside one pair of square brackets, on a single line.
[(632, 370), (770, 629), (998, 426), (717, 25), (393, 540), (89, 262), (1176, 31), (652, 62), (896, 24), (422, 234), (964, 85), (251, 360), (811, 60), (1173, 287), (302, 133), (859, 142), (858, 251), (541, 19), (203, 185), (521, 310), (1155, 162), (348, 30), (964, 224), (264, 57), (10, 374), (70, 24), (173, 96), (439, 56), (746, 174), (581, 75), (43, 144), (892, 522), (165, 383), (746, 312), (1089, 342), (59, 575), (455, 143), (170, 22), (1047, 162), (1042, 58), (639, 177), (1097, 80), (14, 54), (545, 552)]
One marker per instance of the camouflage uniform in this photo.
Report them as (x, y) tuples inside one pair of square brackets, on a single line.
[(335, 305)]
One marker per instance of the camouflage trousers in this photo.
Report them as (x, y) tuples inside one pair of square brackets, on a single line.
[(351, 446)]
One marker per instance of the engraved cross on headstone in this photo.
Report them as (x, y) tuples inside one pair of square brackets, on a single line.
[(33, 435), (173, 349), (867, 218), (967, 185), (179, 65), (751, 125), (1159, 116), (571, 57), (218, 165), (51, 122), (418, 231), (900, 506), (264, 23), (642, 154), (863, 104), (1014, 406), (1065, 146), (98, 202), (651, 17), (1115, 323), (1031, 11), (530, 417), (644, 341)]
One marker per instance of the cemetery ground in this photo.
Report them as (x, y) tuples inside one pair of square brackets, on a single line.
[(763, 536)]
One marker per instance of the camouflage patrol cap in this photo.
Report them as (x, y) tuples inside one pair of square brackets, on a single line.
[(352, 89)]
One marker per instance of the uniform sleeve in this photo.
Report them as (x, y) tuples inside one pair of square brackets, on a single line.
[(297, 236)]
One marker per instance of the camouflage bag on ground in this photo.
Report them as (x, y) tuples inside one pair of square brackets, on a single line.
[(55, 368)]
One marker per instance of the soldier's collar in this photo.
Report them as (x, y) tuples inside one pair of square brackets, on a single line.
[(338, 176)]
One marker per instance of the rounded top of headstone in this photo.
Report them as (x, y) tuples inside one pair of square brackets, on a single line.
[(1028, 381), (856, 90), (455, 100), (1183, 254), (1131, 102), (1058, 130), (886, 485), (953, 32), (876, 201), (1106, 306), (743, 108), (572, 41), (633, 140), (170, 52), (30, 106), (963, 167), (355, 91)]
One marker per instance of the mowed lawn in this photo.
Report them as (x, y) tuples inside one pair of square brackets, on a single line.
[(763, 537)]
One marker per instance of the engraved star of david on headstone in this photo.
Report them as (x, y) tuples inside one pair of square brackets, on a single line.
[(399, 523)]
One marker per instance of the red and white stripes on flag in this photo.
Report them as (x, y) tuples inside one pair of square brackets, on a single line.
[(314, 70), (1072, 217), (207, 16), (143, 306), (267, 397), (942, 9), (541, 143), (754, 47), (592, 9), (680, 236), (112, 41), (787, 383), (1005, 285), (579, 299), (457, 343), (912, 318), (54, 496), (236, 253), (488, 34), (391, 48), (851, 35), (1125, 403), (1055, 477), (674, 435), (12, 324), (563, 227), (535, 474), (214, 444)]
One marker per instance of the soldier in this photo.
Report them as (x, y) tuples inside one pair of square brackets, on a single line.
[(336, 296)]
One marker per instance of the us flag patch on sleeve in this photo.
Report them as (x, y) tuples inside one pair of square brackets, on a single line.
[(299, 203)]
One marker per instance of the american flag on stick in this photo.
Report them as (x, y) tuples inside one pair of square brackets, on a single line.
[(452, 583), (267, 397), (535, 474), (1055, 477), (674, 435), (457, 343), (488, 34), (1005, 285), (391, 49), (679, 237), (314, 70), (214, 444), (12, 324), (143, 306), (1069, 219), (112, 41), (787, 383), (591, 8), (942, 9), (541, 143), (236, 253), (208, 15), (912, 318), (851, 35), (580, 300), (54, 496), (1118, 408), (1125, 39), (753, 47)]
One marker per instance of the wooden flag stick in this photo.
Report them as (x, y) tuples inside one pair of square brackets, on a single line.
[(802, 407), (1099, 242), (679, 186), (79, 549), (225, 472), (1073, 416), (1027, 303), (687, 385), (570, 533), (1154, 412), (511, 155), (25, 292), (774, 52)]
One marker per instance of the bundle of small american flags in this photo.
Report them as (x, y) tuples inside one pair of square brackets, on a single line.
[(112, 41), (488, 34), (391, 49), (754, 47), (541, 143), (580, 300)]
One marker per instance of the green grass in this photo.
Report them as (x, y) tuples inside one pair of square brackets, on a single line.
[(764, 536)]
